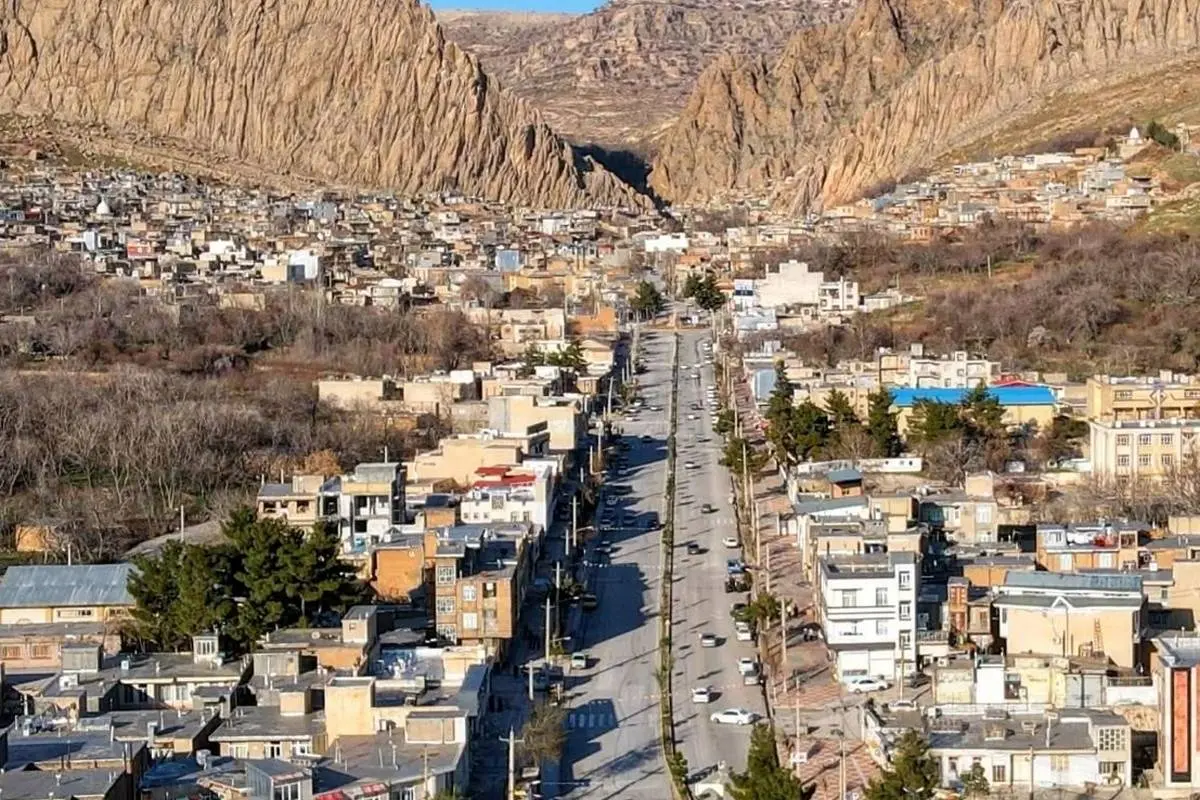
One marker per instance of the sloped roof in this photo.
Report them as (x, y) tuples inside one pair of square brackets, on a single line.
[(59, 585)]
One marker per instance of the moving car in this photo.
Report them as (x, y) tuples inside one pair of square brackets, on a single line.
[(702, 694), (707, 508), (693, 549), (579, 660), (708, 640), (730, 541), (866, 683), (690, 465), (734, 566), (734, 716), (693, 417)]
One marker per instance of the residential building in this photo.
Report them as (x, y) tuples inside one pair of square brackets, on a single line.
[(1176, 668), (1022, 404), (510, 494), (959, 370), (970, 516), (561, 417), (868, 610), (1142, 449), (35, 595), (457, 458), (1084, 546), (1166, 396), (1072, 615)]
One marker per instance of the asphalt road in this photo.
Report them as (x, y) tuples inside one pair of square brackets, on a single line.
[(613, 748), (700, 604)]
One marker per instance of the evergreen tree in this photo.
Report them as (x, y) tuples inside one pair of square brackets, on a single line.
[(647, 300), (983, 416), (154, 586), (933, 423), (691, 285), (202, 602), (841, 413), (779, 414), (913, 775), (320, 580), (764, 778), (810, 431), (975, 782), (881, 424)]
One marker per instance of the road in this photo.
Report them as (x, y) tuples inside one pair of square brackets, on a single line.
[(613, 748), (700, 604)]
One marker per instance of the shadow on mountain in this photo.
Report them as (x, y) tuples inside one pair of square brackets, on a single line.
[(628, 165)]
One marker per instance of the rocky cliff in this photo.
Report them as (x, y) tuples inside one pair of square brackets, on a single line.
[(903, 82), (618, 75), (353, 92)]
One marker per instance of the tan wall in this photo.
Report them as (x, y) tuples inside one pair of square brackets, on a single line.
[(985, 575), (460, 459), (352, 394), (25, 616), (1031, 631), (1041, 415), (399, 572), (348, 708), (1142, 401), (1185, 593)]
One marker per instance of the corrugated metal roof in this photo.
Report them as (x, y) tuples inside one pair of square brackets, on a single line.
[(58, 585), (1058, 580)]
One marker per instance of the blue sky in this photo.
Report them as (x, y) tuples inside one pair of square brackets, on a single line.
[(574, 6)]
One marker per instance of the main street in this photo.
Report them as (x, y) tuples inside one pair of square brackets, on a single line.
[(613, 748), (700, 604)]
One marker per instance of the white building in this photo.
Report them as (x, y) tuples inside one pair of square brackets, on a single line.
[(369, 502), (959, 370), (868, 606), (523, 494), (789, 284), (667, 243)]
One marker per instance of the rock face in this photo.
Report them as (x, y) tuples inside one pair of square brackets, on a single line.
[(619, 75), (355, 92), (901, 83)]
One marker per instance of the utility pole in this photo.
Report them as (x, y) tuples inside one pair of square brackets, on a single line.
[(547, 630), (529, 668), (512, 741), (783, 638), (767, 568), (558, 575), (574, 520)]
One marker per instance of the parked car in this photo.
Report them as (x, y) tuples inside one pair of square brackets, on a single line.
[(735, 566), (744, 631), (730, 541), (738, 609), (702, 694), (734, 716), (914, 680), (579, 660), (866, 683), (708, 640), (902, 705), (747, 665)]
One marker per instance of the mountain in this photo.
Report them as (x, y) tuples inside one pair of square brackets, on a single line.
[(362, 93), (904, 83), (617, 76)]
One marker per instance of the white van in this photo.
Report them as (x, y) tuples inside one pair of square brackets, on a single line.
[(744, 633)]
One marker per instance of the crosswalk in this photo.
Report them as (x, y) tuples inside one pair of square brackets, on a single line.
[(586, 721)]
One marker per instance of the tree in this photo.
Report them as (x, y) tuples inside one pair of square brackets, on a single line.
[(647, 300), (779, 413), (975, 782), (764, 778), (1061, 440), (570, 357), (691, 286), (543, 733), (708, 294), (841, 413), (1158, 132), (881, 424), (677, 764), (912, 775), (809, 431), (531, 358), (933, 423), (982, 413), (763, 610)]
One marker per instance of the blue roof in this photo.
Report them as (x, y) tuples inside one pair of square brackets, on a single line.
[(1007, 395)]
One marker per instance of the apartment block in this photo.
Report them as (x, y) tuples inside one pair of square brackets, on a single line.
[(1134, 449), (1166, 396), (510, 494), (1082, 546), (868, 610), (457, 458), (959, 370)]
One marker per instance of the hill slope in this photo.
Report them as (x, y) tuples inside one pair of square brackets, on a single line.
[(357, 92), (903, 83), (617, 76)]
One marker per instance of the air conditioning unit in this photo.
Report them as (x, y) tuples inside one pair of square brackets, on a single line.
[(69, 681)]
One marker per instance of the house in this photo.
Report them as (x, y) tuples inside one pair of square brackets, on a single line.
[(1165, 396), (968, 516), (31, 595), (1176, 668), (1072, 615), (1085, 546), (867, 607), (510, 494), (959, 370)]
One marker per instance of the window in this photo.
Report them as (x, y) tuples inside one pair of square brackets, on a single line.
[(490, 620), (881, 627), (1112, 767), (445, 575), (470, 621), (1168, 460), (301, 748), (952, 766), (42, 650), (905, 610), (1143, 461), (274, 749), (1144, 440), (1060, 763), (449, 632), (10, 652), (408, 793), (1167, 439), (445, 605), (983, 513), (1123, 394), (489, 590), (469, 593), (999, 773), (1065, 562), (905, 578), (239, 750), (1123, 440), (1108, 560), (1111, 739), (1191, 394), (849, 598), (881, 597), (905, 640), (1122, 461), (302, 506)]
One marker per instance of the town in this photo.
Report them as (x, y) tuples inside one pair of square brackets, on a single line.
[(340, 496)]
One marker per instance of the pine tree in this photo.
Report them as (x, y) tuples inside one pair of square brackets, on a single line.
[(154, 586), (881, 424), (933, 422), (983, 416), (780, 408), (841, 412), (764, 778), (913, 775), (810, 431)]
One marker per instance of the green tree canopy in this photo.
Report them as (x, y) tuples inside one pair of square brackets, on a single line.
[(841, 412), (912, 775), (647, 300), (881, 424), (810, 431), (764, 778)]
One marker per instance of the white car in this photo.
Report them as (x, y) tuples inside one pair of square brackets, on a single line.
[(866, 683), (708, 640), (690, 465), (579, 660), (730, 541), (734, 716), (747, 665), (702, 694), (693, 417)]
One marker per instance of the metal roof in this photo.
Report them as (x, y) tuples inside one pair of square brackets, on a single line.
[(58, 585), (1057, 580), (1005, 395)]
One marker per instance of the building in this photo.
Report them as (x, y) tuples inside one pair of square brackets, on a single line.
[(1081, 546), (1088, 615), (510, 494), (956, 371), (33, 595), (1176, 668), (868, 610), (1167, 396), (561, 417), (1022, 404), (1137, 449)]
